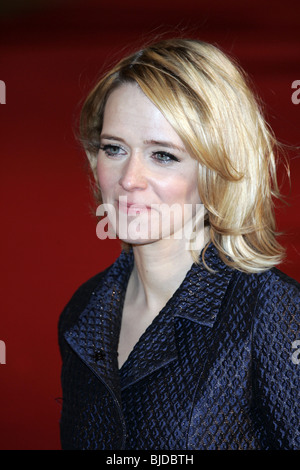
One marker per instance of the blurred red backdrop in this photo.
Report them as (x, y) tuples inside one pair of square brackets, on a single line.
[(50, 54)]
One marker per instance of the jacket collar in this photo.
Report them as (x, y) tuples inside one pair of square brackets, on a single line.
[(95, 336), (201, 294)]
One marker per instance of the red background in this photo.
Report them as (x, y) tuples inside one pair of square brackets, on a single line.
[(50, 54)]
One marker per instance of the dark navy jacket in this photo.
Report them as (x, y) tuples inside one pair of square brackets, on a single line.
[(218, 368)]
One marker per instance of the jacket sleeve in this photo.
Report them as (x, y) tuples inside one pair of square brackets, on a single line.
[(276, 367)]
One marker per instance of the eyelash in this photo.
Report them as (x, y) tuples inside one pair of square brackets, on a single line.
[(107, 149), (166, 154)]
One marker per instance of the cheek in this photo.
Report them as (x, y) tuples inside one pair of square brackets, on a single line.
[(192, 187), (183, 190), (104, 176)]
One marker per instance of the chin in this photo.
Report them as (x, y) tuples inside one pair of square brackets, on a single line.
[(138, 241)]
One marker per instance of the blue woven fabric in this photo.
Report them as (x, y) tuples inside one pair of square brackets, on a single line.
[(214, 370)]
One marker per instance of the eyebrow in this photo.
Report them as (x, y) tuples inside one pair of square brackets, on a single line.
[(161, 143), (164, 143)]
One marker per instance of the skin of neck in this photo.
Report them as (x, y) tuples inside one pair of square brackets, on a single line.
[(159, 269)]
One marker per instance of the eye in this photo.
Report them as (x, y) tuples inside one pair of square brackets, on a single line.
[(164, 157), (112, 150)]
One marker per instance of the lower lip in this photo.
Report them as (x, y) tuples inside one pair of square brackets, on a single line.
[(133, 209)]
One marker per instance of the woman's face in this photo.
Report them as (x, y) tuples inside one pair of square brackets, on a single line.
[(145, 174)]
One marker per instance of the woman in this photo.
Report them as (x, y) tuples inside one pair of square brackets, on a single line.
[(182, 346)]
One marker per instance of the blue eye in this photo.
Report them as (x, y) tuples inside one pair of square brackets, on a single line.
[(112, 150), (164, 157)]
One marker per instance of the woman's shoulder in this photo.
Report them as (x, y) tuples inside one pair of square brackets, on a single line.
[(280, 285), (269, 283), (282, 277), (273, 296), (278, 303)]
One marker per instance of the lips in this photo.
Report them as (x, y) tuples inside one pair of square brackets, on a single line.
[(132, 208)]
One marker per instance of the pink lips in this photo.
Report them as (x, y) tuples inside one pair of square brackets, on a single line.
[(132, 208)]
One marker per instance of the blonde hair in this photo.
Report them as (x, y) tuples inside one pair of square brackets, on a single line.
[(206, 98)]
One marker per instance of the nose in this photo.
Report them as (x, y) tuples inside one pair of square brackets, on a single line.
[(133, 175)]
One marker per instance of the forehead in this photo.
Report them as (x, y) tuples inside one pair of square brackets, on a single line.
[(129, 110)]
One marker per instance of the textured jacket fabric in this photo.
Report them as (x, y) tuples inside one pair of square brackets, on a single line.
[(216, 369)]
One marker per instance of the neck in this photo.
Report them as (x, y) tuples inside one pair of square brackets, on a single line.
[(159, 269)]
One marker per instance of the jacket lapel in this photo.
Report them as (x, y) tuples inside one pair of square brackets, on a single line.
[(155, 349)]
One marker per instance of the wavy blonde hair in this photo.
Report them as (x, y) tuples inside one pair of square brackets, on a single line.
[(206, 98)]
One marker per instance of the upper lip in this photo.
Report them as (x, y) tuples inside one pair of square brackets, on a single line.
[(135, 204)]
